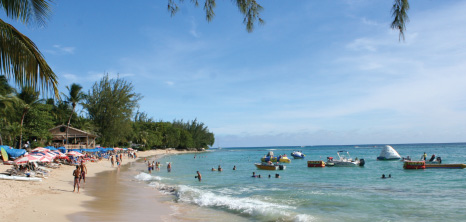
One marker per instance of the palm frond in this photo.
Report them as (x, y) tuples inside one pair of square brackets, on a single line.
[(27, 11), (251, 11), (21, 59), (400, 16), (209, 6)]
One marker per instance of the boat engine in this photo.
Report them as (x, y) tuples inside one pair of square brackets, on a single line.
[(281, 167), (362, 162)]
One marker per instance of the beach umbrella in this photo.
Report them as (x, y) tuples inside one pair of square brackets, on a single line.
[(74, 153), (26, 159), (130, 148), (45, 159), (56, 152), (51, 154), (40, 149)]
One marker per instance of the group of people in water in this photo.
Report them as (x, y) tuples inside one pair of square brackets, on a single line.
[(151, 166), (259, 176), (432, 158), (156, 166)]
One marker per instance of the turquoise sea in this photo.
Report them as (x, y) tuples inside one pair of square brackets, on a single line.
[(318, 194)]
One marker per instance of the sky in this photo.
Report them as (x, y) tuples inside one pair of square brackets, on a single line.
[(316, 73)]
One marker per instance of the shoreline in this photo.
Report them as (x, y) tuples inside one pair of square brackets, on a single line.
[(53, 198)]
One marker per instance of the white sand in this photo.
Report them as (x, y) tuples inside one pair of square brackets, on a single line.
[(53, 198)]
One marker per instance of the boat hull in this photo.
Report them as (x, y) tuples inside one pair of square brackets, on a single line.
[(388, 159), (298, 157), (447, 166), (269, 167)]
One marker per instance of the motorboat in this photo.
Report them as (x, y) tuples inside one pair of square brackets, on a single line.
[(269, 166), (344, 160), (389, 153), (270, 157), (297, 155)]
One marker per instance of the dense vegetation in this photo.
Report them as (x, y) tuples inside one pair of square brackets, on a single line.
[(109, 111)]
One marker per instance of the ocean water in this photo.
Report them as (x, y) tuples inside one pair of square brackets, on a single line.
[(317, 194)]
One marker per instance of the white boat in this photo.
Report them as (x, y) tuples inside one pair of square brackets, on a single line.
[(388, 153), (344, 160), (297, 155)]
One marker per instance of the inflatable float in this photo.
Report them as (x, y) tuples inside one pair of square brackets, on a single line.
[(315, 163), (388, 153), (414, 165)]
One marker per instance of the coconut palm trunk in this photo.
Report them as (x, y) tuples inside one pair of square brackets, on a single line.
[(69, 121), (25, 110)]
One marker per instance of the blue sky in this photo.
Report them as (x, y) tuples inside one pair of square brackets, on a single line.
[(317, 73)]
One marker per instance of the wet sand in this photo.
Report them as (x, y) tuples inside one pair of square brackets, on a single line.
[(119, 197)]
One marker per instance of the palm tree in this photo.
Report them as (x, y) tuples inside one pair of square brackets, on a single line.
[(74, 97), (21, 59), (28, 98)]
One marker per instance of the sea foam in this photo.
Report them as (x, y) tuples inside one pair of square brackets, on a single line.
[(147, 177), (243, 205)]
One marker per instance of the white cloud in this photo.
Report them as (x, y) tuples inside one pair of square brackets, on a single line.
[(61, 50), (70, 77), (193, 31)]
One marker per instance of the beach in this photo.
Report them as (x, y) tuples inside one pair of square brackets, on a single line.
[(53, 198)]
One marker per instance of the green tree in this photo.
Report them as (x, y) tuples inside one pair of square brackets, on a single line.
[(37, 123), (74, 97), (28, 98), (110, 104), (21, 59)]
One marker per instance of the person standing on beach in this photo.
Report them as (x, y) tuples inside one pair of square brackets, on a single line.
[(112, 160), (76, 174), (83, 172)]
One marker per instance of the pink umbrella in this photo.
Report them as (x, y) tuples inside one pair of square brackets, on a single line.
[(40, 149), (51, 154), (56, 152), (45, 159), (74, 153), (26, 159)]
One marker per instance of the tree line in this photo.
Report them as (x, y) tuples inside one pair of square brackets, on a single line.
[(109, 111)]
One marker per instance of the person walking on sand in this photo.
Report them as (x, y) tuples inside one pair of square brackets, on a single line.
[(83, 172), (76, 174), (199, 176), (112, 160)]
